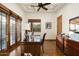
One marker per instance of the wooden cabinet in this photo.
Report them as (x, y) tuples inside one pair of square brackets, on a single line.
[(60, 42), (68, 46), (72, 48)]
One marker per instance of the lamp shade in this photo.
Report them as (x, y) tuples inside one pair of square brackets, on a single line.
[(27, 27)]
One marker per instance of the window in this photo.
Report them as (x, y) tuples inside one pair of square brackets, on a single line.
[(12, 30), (2, 31)]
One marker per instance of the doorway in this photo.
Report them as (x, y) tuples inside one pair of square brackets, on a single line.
[(59, 24)]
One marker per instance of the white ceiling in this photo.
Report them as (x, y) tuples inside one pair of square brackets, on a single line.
[(53, 7)]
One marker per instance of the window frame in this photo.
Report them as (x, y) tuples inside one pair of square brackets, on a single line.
[(9, 13)]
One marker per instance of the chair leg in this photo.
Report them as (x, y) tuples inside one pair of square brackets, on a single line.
[(42, 49)]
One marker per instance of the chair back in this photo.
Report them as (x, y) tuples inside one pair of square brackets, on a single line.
[(43, 38)]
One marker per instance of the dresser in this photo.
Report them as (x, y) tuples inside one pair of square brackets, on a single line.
[(60, 42)]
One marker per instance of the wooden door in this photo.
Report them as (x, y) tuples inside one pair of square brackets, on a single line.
[(59, 24)]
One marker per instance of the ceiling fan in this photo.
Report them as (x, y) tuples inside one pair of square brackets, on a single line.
[(41, 5)]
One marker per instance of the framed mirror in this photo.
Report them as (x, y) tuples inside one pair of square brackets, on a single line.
[(74, 24)]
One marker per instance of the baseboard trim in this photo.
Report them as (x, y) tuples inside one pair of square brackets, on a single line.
[(50, 39)]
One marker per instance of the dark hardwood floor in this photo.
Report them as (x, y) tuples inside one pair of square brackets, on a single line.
[(50, 49)]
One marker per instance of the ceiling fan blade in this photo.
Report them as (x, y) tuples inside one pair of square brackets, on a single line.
[(38, 9), (46, 4), (44, 8)]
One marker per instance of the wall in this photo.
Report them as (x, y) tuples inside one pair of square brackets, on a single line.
[(68, 11), (45, 17), (15, 8)]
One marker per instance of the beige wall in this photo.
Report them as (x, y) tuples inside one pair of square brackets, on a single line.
[(67, 12), (15, 8)]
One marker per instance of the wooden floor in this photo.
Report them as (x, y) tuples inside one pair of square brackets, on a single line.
[(50, 49)]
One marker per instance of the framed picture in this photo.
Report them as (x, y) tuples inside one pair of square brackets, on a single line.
[(35, 25), (48, 25)]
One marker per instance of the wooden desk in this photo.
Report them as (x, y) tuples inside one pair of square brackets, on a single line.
[(32, 47)]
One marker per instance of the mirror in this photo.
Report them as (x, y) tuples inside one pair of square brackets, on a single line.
[(74, 24)]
